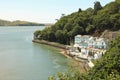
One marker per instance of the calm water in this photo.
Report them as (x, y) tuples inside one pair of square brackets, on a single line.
[(20, 59)]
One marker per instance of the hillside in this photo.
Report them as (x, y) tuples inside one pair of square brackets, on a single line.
[(18, 23), (84, 22), (108, 67)]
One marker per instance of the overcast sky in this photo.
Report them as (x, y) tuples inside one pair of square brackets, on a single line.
[(42, 11)]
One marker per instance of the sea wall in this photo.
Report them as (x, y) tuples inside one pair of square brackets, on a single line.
[(50, 43)]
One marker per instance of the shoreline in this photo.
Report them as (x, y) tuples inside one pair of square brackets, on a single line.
[(82, 65), (61, 46)]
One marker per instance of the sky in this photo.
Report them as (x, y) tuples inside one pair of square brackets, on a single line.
[(42, 11)]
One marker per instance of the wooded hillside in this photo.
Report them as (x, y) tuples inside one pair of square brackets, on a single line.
[(84, 22)]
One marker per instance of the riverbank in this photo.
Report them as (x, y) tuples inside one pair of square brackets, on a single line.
[(81, 65), (50, 43)]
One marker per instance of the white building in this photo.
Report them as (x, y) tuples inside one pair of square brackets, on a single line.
[(82, 41), (90, 42)]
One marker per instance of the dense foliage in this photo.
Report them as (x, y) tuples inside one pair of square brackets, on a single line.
[(90, 21), (108, 68), (18, 23), (118, 1)]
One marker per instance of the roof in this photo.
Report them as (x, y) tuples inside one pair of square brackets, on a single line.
[(83, 36)]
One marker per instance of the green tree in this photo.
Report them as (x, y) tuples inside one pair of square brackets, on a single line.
[(76, 30), (60, 36), (89, 28), (97, 7), (51, 36), (37, 33), (68, 26), (79, 10)]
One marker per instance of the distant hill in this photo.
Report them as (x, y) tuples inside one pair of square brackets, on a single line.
[(92, 21), (19, 23)]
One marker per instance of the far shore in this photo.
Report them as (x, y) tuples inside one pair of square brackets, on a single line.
[(17, 26)]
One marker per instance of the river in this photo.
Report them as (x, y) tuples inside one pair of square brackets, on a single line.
[(20, 59)]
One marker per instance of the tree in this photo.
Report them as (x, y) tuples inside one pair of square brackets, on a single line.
[(89, 28), (60, 36), (68, 26), (51, 36), (62, 15), (37, 34), (79, 10), (76, 30), (97, 7)]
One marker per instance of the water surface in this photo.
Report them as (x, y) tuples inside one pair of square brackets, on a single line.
[(20, 59)]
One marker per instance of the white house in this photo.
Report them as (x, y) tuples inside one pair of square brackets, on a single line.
[(82, 41), (100, 43), (90, 42)]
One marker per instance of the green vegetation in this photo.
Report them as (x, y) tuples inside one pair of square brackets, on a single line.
[(118, 1), (108, 68), (4, 23), (84, 22), (18, 23), (97, 7)]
